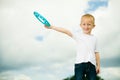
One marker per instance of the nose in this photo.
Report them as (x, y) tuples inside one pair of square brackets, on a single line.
[(86, 26)]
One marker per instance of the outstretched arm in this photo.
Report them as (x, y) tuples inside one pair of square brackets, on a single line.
[(59, 29)]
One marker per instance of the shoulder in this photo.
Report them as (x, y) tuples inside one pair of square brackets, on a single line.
[(76, 31)]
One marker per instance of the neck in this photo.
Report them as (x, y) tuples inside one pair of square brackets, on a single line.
[(89, 33)]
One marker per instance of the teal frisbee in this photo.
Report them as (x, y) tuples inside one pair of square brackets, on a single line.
[(42, 19)]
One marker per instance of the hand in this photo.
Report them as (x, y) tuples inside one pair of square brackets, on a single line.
[(97, 69), (47, 27), (50, 27)]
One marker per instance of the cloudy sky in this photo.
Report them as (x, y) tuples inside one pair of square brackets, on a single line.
[(28, 51)]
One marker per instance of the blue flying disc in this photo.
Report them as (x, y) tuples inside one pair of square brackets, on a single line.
[(41, 19)]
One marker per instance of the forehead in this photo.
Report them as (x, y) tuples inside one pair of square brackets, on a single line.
[(87, 20)]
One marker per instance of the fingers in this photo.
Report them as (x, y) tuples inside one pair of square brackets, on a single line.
[(47, 27), (97, 70)]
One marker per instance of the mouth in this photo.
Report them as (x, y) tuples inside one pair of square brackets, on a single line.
[(86, 29)]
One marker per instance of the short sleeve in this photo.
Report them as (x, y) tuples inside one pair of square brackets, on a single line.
[(76, 32), (96, 46)]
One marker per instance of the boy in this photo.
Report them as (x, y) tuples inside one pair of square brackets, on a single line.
[(87, 60)]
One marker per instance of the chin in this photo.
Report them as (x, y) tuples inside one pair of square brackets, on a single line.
[(86, 32)]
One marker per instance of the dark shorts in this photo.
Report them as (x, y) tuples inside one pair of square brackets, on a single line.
[(83, 70)]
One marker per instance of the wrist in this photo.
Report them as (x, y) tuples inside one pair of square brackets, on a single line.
[(98, 65), (52, 27)]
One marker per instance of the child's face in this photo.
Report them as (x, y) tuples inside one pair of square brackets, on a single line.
[(87, 25)]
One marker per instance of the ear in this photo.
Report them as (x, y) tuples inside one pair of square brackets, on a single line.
[(94, 26), (80, 25)]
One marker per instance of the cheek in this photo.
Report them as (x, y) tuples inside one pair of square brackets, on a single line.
[(86, 28)]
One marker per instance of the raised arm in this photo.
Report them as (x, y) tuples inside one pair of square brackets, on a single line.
[(59, 29)]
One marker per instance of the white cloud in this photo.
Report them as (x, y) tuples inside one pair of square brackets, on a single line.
[(20, 28), (107, 29), (22, 77), (13, 75), (6, 75), (111, 73), (55, 54)]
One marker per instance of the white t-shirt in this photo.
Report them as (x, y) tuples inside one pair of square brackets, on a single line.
[(86, 47)]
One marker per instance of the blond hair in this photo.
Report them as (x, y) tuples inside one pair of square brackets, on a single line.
[(88, 16)]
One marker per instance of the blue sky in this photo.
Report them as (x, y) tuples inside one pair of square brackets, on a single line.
[(95, 4), (28, 51)]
